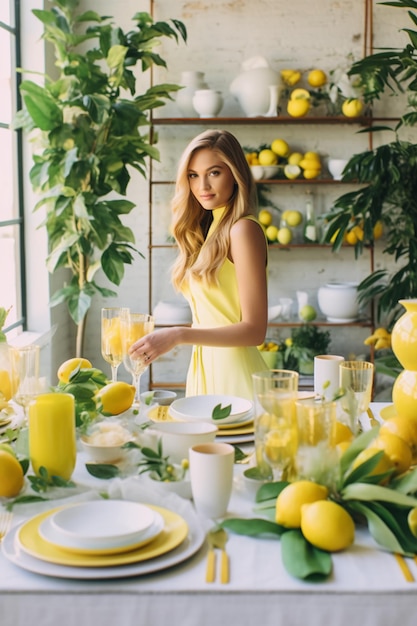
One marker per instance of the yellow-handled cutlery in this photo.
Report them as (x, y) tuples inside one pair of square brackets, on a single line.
[(217, 538)]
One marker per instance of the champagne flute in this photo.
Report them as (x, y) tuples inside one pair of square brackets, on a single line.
[(25, 374), (275, 393), (134, 326), (111, 340), (356, 380)]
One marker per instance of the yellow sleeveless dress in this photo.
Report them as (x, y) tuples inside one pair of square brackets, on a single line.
[(212, 370)]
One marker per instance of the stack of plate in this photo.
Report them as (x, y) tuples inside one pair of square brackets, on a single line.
[(102, 539), (237, 427)]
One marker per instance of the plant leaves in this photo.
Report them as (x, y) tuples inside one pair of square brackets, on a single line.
[(301, 559), (270, 490), (253, 527), (379, 530), (368, 493), (103, 471), (406, 483)]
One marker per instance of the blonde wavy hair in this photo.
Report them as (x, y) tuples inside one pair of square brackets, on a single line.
[(190, 222)]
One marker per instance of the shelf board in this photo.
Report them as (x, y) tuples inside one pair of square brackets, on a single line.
[(279, 119), (282, 181)]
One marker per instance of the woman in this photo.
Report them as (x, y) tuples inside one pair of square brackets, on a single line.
[(220, 269)]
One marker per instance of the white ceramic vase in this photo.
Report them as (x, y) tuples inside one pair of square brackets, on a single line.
[(207, 102), (192, 81), (252, 90)]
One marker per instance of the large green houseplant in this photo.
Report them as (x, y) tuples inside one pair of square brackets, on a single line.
[(388, 175), (91, 126)]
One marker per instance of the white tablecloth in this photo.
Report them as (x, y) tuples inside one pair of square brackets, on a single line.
[(366, 587)]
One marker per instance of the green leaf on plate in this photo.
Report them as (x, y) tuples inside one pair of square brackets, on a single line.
[(220, 413), (101, 470), (301, 559), (253, 527)]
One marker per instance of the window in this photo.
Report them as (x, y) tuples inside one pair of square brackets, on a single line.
[(12, 278)]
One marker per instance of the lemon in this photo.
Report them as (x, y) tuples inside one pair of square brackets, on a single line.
[(11, 475), (292, 171), (341, 433), (352, 107), (267, 157), (358, 232), (65, 370), (384, 464), (290, 77), (403, 427), (5, 385), (294, 158), (300, 94), (284, 236), (272, 233), (317, 78), (293, 218), (396, 449), (307, 313), (7, 448), (265, 217), (378, 230), (412, 521), (309, 174), (280, 147), (327, 525), (351, 237), (116, 397), (312, 156), (293, 497), (298, 108), (310, 163)]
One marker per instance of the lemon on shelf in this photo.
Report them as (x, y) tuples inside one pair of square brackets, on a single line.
[(292, 171), (280, 147), (317, 78), (265, 217), (290, 77), (271, 233), (284, 236), (267, 157), (298, 108), (352, 107), (294, 158)]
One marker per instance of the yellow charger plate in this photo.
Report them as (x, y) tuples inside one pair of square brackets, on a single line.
[(243, 430), (174, 532), (387, 412)]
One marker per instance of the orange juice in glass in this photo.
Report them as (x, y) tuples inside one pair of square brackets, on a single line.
[(134, 326), (111, 340), (52, 437)]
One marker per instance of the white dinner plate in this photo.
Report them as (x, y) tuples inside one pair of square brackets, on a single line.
[(101, 524), (196, 536), (194, 408), (48, 532)]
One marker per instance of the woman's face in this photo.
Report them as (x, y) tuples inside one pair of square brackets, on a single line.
[(211, 181)]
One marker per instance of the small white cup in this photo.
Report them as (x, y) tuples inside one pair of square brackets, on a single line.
[(326, 374), (211, 474)]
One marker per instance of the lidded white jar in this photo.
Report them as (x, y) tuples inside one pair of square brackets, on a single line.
[(338, 301)]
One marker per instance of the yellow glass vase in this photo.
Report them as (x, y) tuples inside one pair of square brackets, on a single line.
[(404, 346)]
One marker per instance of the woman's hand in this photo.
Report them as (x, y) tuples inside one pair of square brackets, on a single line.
[(153, 345)]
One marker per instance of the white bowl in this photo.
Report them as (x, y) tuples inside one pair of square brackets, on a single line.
[(339, 301), (270, 171), (103, 454), (104, 442), (102, 523), (200, 408), (336, 167), (257, 172), (178, 437), (274, 312), (158, 396)]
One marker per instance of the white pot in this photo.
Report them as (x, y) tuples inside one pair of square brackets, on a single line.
[(207, 102), (184, 98), (336, 167), (339, 302)]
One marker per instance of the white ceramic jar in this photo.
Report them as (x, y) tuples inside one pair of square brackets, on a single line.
[(207, 102), (339, 301)]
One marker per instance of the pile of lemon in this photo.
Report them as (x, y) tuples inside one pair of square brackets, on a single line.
[(293, 163), (282, 234)]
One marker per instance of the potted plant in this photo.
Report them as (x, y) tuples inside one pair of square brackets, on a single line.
[(302, 346), (387, 197), (91, 128)]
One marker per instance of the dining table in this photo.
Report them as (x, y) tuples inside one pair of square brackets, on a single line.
[(366, 585)]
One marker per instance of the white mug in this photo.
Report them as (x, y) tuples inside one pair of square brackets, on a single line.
[(326, 374), (211, 474)]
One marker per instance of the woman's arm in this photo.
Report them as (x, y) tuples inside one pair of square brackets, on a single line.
[(248, 252)]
